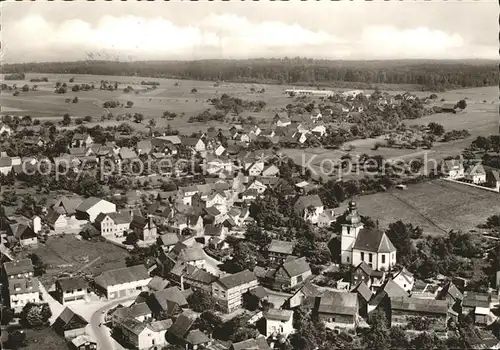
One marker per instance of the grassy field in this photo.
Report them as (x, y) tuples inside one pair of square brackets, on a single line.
[(437, 206), (44, 339), (68, 254)]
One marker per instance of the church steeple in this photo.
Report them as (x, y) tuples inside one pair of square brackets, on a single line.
[(350, 230)]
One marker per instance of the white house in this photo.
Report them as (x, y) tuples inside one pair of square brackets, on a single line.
[(278, 322), (143, 335), (309, 207), (254, 169), (124, 282), (113, 224), (476, 174), (5, 130), (359, 244), (404, 279), (91, 207), (23, 291), (454, 169)]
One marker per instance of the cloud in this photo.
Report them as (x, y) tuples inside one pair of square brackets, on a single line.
[(218, 35), (409, 43)]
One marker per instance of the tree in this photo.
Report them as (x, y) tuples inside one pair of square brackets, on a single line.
[(138, 117), (66, 120), (130, 104), (436, 129), (38, 264), (152, 123), (131, 238), (75, 99), (35, 315), (6, 315), (462, 104), (201, 301), (25, 88), (71, 80), (16, 93), (194, 90), (378, 336), (427, 341)]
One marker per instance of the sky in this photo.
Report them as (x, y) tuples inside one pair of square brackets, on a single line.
[(68, 31)]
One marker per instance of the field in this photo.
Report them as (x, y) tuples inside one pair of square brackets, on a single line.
[(44, 339), (69, 254), (436, 206), (45, 104)]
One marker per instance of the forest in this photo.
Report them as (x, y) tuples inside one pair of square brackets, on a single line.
[(434, 75)]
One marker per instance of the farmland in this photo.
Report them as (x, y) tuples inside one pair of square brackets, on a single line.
[(436, 206)]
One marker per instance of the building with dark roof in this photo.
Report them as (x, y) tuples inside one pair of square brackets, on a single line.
[(23, 291), (402, 308), (69, 324), (279, 250), (120, 283), (22, 268), (228, 290), (169, 301), (337, 309), (291, 273), (70, 289)]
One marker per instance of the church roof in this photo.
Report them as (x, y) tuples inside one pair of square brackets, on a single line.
[(373, 241)]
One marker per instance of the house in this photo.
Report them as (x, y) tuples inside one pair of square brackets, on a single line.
[(23, 291), (69, 324), (144, 228), (493, 179), (364, 273), (157, 283), (22, 268), (326, 218), (270, 171), (196, 339), (124, 282), (385, 294), (91, 207), (476, 174), (142, 335), (182, 325), (67, 206), (259, 343), (23, 234), (169, 301), (450, 293), (194, 144), (359, 244), (127, 154), (69, 289), (337, 309), (5, 165), (283, 121), (144, 147), (254, 169), (309, 207), (453, 168), (189, 276), (291, 273), (404, 279), (307, 290), (169, 240), (315, 115), (477, 305), (278, 323), (228, 290), (83, 342), (402, 308), (279, 251), (81, 140), (113, 224), (364, 296), (182, 253), (61, 223), (5, 130)]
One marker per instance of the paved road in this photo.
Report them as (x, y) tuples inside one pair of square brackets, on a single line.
[(102, 334)]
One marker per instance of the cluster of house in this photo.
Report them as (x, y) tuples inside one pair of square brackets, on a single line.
[(476, 174)]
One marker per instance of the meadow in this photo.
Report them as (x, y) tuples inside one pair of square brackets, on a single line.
[(436, 206)]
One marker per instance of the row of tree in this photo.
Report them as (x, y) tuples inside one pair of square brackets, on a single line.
[(430, 74)]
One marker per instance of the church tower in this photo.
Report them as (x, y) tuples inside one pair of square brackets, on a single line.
[(350, 230)]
